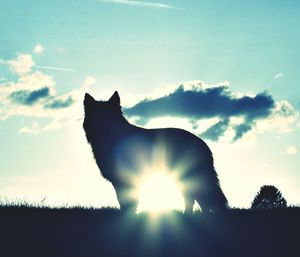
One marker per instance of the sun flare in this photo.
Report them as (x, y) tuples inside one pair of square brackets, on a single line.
[(159, 185), (158, 193)]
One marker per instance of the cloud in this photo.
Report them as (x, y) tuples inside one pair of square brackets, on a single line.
[(198, 103), (33, 94), (38, 49), (89, 81), (279, 75), (29, 130), (59, 103), (31, 81), (236, 112), (26, 97), (240, 130), (55, 68), (139, 4), (217, 130), (22, 96), (291, 150), (22, 64), (282, 118), (207, 103), (212, 111)]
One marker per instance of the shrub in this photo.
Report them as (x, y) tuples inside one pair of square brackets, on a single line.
[(268, 197)]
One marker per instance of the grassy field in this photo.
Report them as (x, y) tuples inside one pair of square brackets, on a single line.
[(39, 231)]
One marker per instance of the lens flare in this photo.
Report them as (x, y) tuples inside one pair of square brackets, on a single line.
[(159, 192), (156, 183)]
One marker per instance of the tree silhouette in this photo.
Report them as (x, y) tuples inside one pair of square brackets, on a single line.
[(268, 197)]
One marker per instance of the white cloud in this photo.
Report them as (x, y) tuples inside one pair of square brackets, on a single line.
[(32, 129), (22, 64), (38, 49), (139, 4), (282, 119), (165, 89), (28, 130), (36, 80), (62, 110), (89, 81), (279, 75), (291, 150)]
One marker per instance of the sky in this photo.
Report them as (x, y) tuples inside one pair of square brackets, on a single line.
[(227, 71)]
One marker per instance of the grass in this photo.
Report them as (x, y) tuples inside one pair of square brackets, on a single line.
[(77, 231)]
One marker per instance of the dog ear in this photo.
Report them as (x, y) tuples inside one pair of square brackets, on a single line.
[(115, 99), (88, 99)]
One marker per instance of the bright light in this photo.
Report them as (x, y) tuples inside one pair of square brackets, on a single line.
[(158, 193), (158, 186)]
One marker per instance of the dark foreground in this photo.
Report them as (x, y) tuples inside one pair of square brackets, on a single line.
[(71, 232)]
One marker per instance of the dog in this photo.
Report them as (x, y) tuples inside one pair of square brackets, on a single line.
[(122, 151)]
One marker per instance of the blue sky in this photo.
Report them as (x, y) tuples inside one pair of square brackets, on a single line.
[(144, 49)]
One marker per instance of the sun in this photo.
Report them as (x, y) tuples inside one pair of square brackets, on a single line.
[(158, 193), (159, 185)]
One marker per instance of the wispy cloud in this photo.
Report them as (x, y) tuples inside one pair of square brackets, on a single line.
[(140, 4), (88, 81), (279, 75), (38, 49), (55, 68), (24, 64)]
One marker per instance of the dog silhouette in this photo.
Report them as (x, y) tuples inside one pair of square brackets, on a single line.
[(122, 151)]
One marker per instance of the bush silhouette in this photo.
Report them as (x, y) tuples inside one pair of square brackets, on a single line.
[(268, 197)]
